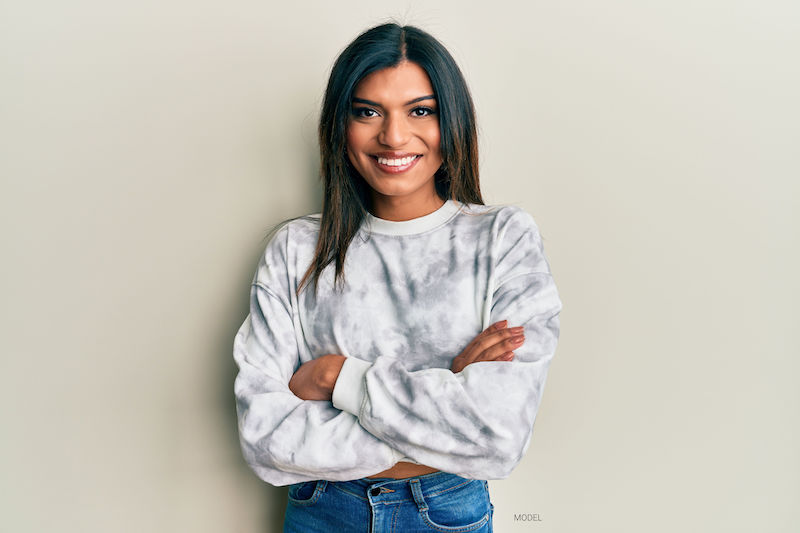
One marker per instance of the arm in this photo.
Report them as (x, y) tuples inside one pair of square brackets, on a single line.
[(316, 379), (285, 439), (476, 423)]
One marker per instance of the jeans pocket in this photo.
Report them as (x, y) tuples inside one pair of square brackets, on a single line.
[(456, 524), (304, 493), (460, 510)]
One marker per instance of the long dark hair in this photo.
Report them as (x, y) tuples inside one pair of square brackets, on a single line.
[(347, 196)]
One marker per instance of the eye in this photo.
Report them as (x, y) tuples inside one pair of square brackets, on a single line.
[(422, 111), (364, 112)]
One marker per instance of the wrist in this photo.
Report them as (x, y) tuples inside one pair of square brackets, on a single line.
[(332, 368)]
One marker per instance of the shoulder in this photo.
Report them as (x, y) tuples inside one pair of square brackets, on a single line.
[(516, 244), (286, 241), (504, 220), (297, 231)]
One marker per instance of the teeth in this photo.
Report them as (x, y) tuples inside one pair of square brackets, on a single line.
[(396, 162)]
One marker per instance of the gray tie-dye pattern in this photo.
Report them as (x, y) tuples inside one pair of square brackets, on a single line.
[(411, 303)]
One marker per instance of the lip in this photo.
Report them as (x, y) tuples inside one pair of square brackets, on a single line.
[(393, 155), (394, 170)]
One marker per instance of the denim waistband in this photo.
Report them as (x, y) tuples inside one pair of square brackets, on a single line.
[(390, 490)]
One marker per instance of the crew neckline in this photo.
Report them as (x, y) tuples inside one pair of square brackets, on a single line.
[(414, 225)]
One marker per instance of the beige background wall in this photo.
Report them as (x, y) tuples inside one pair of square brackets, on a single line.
[(147, 147)]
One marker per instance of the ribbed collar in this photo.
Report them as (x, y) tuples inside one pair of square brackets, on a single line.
[(415, 225)]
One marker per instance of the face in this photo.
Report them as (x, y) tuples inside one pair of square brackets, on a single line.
[(393, 133)]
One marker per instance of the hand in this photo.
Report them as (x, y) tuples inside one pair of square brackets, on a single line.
[(495, 343), (315, 379)]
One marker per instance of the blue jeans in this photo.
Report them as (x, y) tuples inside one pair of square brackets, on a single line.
[(433, 502)]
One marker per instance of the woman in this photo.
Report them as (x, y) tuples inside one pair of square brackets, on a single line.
[(379, 372)]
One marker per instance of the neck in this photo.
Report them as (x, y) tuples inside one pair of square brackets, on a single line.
[(400, 208)]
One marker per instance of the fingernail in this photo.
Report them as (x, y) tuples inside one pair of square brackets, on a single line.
[(501, 324), (518, 339), (518, 329)]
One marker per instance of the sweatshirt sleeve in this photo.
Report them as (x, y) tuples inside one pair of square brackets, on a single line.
[(476, 423), (285, 439)]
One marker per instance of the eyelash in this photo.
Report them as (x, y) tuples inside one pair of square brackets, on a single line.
[(358, 111), (428, 111)]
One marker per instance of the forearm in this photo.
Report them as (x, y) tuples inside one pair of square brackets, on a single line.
[(316, 379), (476, 423), (285, 439)]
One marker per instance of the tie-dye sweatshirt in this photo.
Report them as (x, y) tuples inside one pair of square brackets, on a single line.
[(416, 293)]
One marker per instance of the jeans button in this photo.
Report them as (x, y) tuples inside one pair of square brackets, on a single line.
[(375, 491)]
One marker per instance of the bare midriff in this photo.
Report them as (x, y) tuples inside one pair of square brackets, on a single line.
[(404, 469)]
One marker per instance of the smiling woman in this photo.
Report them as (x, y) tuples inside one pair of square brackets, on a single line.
[(393, 141), (386, 388)]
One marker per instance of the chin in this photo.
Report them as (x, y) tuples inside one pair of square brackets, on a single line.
[(396, 189)]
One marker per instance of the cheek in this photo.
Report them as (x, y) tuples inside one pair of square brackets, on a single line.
[(356, 138), (435, 141), (354, 142)]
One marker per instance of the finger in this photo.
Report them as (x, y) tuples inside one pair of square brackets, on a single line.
[(494, 334), (505, 356), (494, 328), (492, 348), (502, 347), (498, 337), (497, 326)]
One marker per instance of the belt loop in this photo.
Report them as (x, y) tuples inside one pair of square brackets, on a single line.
[(416, 491), (321, 484)]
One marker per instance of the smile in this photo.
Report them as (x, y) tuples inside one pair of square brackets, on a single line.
[(395, 166)]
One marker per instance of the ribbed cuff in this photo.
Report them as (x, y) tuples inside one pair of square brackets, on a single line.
[(349, 390)]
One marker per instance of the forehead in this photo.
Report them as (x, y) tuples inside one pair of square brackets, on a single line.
[(401, 83)]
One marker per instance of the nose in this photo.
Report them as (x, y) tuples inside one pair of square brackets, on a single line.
[(395, 131)]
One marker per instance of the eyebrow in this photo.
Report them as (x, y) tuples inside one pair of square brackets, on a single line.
[(414, 101)]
